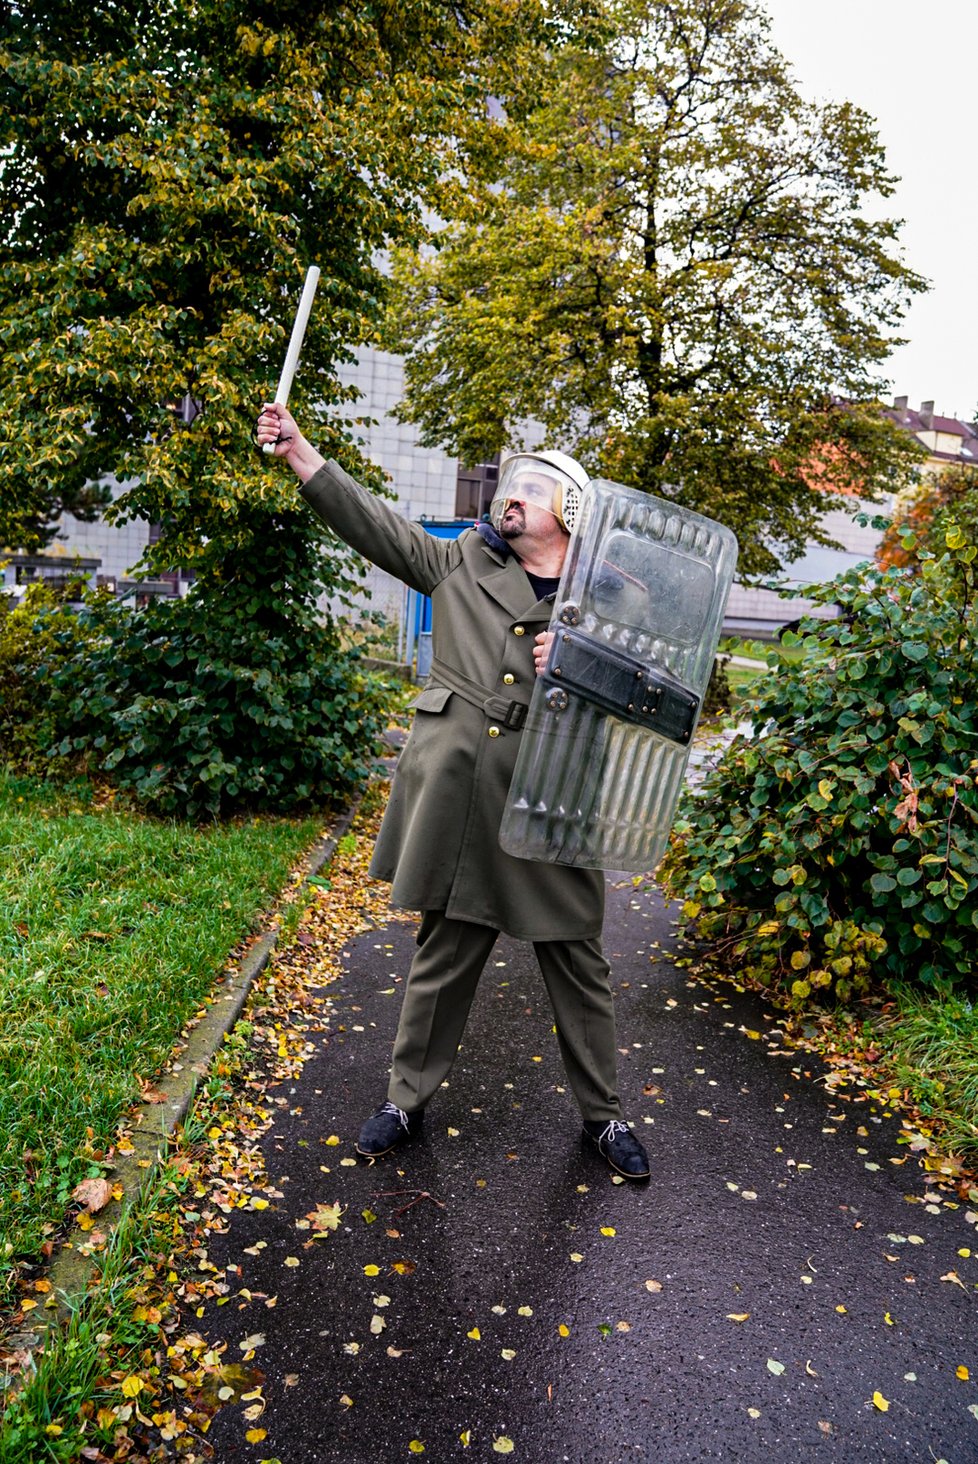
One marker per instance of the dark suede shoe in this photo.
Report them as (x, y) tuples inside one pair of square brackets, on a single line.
[(620, 1147), (387, 1128)]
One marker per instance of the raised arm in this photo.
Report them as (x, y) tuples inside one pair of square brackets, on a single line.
[(365, 522)]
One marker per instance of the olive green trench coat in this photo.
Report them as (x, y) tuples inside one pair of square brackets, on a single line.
[(439, 841)]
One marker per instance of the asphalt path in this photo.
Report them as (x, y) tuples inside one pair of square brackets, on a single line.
[(783, 1289)]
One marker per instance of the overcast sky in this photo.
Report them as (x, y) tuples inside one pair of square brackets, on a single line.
[(912, 67)]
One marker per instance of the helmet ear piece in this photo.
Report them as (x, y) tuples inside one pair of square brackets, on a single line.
[(570, 505)]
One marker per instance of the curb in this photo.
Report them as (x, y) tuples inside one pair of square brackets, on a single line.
[(154, 1124)]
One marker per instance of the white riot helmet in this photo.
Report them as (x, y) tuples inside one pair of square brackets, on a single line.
[(551, 480)]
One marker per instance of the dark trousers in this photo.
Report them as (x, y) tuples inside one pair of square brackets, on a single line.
[(441, 984)]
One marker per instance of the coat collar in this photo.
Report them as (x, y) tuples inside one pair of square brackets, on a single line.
[(510, 588)]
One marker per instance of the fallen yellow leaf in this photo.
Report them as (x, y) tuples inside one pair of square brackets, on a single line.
[(255, 1435), (564, 1330), (962, 1373), (416, 1446), (502, 1445), (881, 1403), (475, 1334), (737, 1316), (608, 1230)]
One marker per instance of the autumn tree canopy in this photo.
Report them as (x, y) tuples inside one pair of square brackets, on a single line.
[(673, 262), (167, 171)]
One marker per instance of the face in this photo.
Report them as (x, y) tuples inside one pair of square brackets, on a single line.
[(522, 518)]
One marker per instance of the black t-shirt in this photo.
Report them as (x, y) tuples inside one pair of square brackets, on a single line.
[(541, 585)]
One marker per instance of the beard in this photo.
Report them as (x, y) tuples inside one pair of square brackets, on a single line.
[(513, 523)]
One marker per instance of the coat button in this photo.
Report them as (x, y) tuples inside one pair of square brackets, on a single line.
[(508, 679), (519, 630), (493, 731)]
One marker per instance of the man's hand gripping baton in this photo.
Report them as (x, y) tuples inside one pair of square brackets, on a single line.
[(295, 344)]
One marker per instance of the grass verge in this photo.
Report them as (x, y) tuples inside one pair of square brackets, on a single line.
[(928, 1042), (114, 929)]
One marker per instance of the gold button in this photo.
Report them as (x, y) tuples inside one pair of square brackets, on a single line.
[(493, 731), (508, 679), (519, 630)]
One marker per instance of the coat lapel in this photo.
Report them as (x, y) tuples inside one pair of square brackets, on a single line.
[(510, 588)]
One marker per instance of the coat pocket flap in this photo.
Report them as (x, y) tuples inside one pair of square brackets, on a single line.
[(432, 699)]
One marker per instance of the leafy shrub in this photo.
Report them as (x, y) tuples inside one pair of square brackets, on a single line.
[(198, 707), (35, 636), (838, 847)]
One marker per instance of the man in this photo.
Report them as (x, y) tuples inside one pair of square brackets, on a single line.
[(491, 592)]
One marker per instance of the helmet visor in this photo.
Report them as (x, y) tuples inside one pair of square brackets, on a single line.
[(521, 481)]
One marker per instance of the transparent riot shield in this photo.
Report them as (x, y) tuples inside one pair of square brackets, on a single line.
[(636, 622)]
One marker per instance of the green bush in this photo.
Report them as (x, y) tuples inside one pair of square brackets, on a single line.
[(837, 848), (35, 636), (200, 706)]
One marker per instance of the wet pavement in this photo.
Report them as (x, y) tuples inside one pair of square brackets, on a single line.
[(788, 1264)]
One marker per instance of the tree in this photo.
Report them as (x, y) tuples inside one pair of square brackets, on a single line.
[(667, 258), (167, 172), (939, 504)]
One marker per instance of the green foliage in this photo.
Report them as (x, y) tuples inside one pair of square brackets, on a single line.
[(837, 849), (222, 700), (678, 266), (36, 636), (169, 171), (927, 511)]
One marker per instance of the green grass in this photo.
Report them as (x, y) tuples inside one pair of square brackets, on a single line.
[(113, 929), (931, 1042)]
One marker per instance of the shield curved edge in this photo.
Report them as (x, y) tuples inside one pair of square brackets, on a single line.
[(637, 618)]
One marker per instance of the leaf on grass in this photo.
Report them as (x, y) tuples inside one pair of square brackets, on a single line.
[(131, 1386), (93, 1194)]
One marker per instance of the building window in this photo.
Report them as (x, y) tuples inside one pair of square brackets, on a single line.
[(474, 489)]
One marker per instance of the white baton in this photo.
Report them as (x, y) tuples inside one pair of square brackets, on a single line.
[(295, 344)]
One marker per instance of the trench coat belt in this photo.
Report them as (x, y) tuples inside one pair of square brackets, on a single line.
[(510, 714)]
